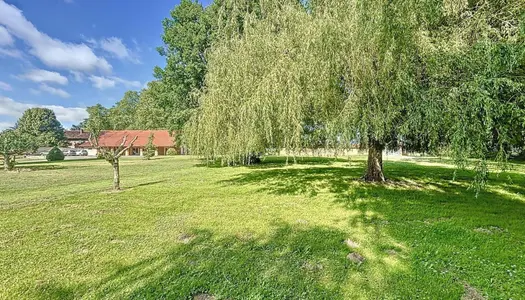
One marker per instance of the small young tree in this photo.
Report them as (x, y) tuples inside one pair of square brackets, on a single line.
[(112, 155), (13, 143), (149, 149)]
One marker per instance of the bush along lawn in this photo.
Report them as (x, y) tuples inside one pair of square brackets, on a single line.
[(309, 230)]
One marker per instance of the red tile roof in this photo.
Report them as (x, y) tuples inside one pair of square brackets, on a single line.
[(113, 138)]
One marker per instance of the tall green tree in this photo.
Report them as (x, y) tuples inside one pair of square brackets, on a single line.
[(123, 114), (98, 119), (42, 125), (13, 143), (155, 106), (187, 36)]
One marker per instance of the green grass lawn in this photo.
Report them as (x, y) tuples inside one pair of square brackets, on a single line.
[(265, 232)]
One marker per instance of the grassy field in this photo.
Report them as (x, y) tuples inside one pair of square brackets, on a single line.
[(271, 231)]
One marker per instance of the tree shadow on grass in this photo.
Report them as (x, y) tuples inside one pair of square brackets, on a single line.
[(146, 184), (40, 167), (451, 234), (295, 262)]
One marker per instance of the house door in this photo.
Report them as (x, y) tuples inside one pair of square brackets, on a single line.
[(135, 151)]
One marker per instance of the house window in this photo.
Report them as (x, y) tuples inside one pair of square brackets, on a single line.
[(135, 151)]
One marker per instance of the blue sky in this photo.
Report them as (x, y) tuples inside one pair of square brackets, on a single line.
[(69, 54)]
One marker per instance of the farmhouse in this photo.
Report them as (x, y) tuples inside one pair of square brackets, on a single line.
[(76, 137), (113, 138)]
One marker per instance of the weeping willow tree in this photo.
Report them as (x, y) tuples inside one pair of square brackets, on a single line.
[(434, 75), (263, 87)]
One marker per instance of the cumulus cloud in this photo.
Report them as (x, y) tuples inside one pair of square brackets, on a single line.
[(127, 83), (5, 86), (5, 38), (38, 75), (102, 83), (52, 52), (54, 91), (12, 108), (14, 53), (116, 47)]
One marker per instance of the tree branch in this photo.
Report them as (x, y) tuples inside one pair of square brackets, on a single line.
[(119, 154)]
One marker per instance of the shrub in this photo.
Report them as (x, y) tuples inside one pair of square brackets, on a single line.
[(171, 152), (149, 149), (55, 154)]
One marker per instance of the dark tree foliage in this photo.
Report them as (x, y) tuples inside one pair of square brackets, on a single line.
[(42, 125), (55, 154), (187, 36), (123, 114), (13, 143)]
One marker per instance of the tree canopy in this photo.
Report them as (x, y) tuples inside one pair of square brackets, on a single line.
[(13, 143), (123, 114), (42, 125)]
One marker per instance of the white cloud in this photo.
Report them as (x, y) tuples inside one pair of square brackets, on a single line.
[(79, 77), (102, 83), (5, 38), (115, 47), (127, 83), (5, 86), (52, 52), (14, 53), (54, 91), (38, 75), (9, 107)]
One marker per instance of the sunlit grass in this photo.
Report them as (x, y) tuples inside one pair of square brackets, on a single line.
[(270, 231)]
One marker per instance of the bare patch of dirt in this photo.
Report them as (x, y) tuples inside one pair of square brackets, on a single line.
[(471, 293), (186, 238), (245, 236), (203, 296), (391, 252), (356, 258), (312, 267), (351, 244)]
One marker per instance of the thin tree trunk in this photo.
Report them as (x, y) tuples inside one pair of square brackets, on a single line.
[(116, 175), (374, 172)]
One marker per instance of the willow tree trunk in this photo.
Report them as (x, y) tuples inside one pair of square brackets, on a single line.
[(116, 175), (374, 172)]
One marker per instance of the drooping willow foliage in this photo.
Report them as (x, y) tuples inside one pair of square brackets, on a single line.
[(433, 75), (262, 88)]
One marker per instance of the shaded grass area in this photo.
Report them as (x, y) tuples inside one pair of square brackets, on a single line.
[(269, 231)]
